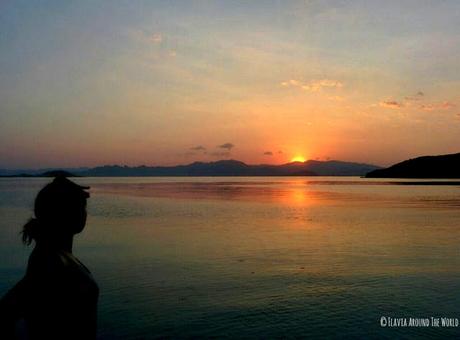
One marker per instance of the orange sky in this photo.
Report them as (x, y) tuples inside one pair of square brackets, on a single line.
[(87, 84)]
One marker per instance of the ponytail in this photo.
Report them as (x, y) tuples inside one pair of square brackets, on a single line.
[(30, 231)]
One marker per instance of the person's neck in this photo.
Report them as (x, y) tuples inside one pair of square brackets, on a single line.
[(64, 243)]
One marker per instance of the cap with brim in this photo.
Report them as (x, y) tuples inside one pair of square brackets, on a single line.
[(63, 184)]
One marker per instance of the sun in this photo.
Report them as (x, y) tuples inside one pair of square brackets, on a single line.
[(298, 159)]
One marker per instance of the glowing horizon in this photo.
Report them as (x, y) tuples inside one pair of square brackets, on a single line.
[(86, 84), (298, 159)]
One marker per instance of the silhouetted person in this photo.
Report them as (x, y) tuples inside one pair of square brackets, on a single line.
[(57, 298)]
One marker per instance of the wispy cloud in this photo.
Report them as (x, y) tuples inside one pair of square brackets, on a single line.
[(417, 101), (268, 153), (391, 104), (336, 98), (291, 82), (156, 38), (198, 148), (146, 37), (439, 106), (227, 146), (418, 96), (314, 85)]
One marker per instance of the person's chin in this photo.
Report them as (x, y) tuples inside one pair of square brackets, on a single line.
[(78, 230)]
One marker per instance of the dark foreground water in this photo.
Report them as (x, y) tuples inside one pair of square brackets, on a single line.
[(258, 257)]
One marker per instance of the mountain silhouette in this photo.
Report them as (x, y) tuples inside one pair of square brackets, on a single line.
[(218, 168), (237, 168), (443, 166), (51, 173)]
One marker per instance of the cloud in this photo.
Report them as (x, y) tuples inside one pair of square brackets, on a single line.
[(415, 102), (156, 38), (280, 152), (336, 98), (313, 86), (291, 82), (319, 85), (227, 146), (440, 106), (268, 153), (391, 104), (418, 96), (145, 36), (198, 148)]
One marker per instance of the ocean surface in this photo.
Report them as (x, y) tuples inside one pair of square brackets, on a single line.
[(263, 257)]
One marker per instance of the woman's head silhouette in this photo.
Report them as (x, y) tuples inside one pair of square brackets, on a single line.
[(60, 212)]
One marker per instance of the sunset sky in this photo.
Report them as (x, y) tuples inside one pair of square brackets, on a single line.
[(85, 83)]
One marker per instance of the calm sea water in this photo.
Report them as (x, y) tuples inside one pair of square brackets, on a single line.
[(258, 257)]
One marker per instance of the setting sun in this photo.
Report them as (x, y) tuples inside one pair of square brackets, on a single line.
[(298, 159)]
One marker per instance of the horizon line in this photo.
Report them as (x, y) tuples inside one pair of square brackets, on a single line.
[(180, 164)]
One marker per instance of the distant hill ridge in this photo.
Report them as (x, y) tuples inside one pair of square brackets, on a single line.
[(227, 168), (51, 173), (238, 168), (443, 166)]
